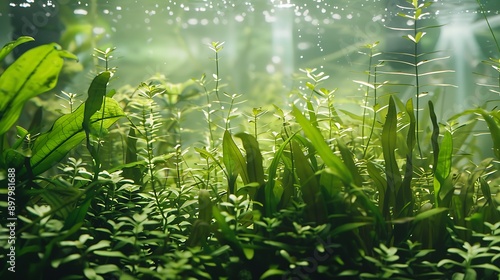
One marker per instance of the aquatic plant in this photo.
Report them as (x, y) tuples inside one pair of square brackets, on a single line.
[(301, 193)]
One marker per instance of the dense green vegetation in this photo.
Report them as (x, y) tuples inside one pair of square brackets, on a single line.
[(310, 191)]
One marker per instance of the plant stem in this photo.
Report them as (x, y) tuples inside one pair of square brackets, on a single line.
[(374, 110), (417, 85), (366, 104)]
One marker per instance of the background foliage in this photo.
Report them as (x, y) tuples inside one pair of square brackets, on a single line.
[(310, 191)]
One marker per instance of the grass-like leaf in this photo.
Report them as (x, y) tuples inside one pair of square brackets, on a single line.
[(310, 188), (443, 169), (389, 146), (337, 167)]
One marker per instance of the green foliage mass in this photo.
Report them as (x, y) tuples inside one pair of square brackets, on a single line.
[(304, 193)]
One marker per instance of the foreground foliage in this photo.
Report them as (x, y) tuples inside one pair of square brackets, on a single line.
[(305, 193)]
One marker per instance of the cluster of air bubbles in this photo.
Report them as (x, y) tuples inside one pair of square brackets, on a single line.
[(29, 3)]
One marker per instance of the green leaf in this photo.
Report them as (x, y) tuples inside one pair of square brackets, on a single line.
[(111, 254), (233, 161), (364, 84), (493, 123), (381, 185), (443, 169), (106, 268), (405, 194), (487, 266), (389, 146), (96, 94), (429, 213), (310, 188), (66, 133), (131, 170), (219, 251), (11, 45), (271, 272), (76, 217), (34, 73), (255, 169), (337, 167), (347, 156), (434, 136), (271, 203), (100, 245), (312, 115), (57, 196), (228, 236), (347, 227)]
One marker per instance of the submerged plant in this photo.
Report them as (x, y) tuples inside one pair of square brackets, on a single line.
[(310, 202)]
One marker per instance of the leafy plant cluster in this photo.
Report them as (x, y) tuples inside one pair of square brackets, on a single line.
[(309, 192)]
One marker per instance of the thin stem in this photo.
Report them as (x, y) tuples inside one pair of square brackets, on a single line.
[(374, 110), (255, 126), (489, 26), (209, 119), (417, 85), (491, 31), (149, 150), (217, 75), (366, 103)]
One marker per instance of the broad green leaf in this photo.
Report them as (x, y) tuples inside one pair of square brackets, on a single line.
[(133, 172), (405, 194), (310, 188), (494, 127), (66, 133), (255, 169), (389, 146), (96, 94), (337, 167), (233, 161), (443, 168), (271, 203), (11, 45), (34, 73)]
